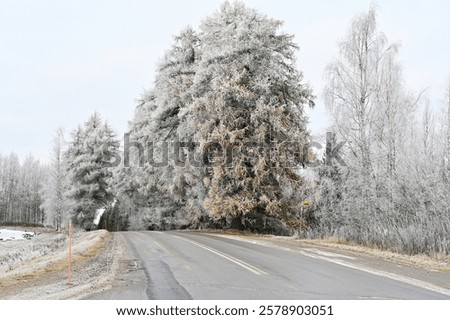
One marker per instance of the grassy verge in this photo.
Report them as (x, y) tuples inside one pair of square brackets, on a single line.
[(431, 262), (435, 262), (86, 246)]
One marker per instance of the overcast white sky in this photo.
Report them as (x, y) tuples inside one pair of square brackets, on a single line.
[(62, 60)]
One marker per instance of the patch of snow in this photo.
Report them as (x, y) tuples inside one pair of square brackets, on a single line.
[(7, 235), (98, 215), (15, 253)]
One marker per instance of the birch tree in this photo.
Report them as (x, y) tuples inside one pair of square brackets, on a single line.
[(366, 98), (56, 199), (448, 127), (352, 96), (11, 170), (393, 194), (20, 185)]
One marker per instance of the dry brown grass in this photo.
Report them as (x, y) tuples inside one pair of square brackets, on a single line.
[(40, 266), (430, 262)]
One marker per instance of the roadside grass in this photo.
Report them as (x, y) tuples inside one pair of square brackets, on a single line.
[(86, 246), (435, 261)]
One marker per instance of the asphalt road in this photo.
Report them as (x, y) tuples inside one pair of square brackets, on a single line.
[(192, 265)]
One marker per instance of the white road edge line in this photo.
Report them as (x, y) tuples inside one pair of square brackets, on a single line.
[(328, 254), (162, 247), (385, 274), (237, 261), (392, 276)]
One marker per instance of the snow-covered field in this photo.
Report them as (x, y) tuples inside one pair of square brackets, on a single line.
[(37, 268), (6, 235), (15, 253)]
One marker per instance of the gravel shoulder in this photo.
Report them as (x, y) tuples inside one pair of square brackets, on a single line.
[(37, 268)]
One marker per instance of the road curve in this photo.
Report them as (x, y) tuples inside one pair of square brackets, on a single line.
[(193, 265)]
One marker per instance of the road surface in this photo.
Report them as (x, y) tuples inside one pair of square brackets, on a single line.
[(193, 265)]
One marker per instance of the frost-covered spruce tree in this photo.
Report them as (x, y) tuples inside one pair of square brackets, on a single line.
[(173, 84), (249, 99), (329, 192), (160, 178), (87, 156), (129, 178)]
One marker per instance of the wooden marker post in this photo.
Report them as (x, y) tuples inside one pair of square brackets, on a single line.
[(69, 271)]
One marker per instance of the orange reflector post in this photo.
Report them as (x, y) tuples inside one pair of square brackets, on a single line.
[(69, 271)]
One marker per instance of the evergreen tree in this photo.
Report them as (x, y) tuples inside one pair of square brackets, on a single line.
[(87, 156), (233, 85), (249, 100), (329, 199), (158, 183), (116, 216)]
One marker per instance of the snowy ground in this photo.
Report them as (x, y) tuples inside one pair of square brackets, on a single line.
[(7, 235), (37, 268), (16, 253)]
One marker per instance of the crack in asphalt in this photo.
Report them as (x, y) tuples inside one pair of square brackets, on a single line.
[(162, 283)]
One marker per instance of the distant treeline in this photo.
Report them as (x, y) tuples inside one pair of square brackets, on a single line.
[(20, 190)]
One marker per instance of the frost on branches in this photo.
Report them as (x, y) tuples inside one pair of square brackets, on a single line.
[(249, 101), (57, 204), (86, 154), (156, 185), (394, 192), (228, 103)]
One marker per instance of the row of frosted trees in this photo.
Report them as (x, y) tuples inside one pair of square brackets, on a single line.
[(394, 190), (20, 190)]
